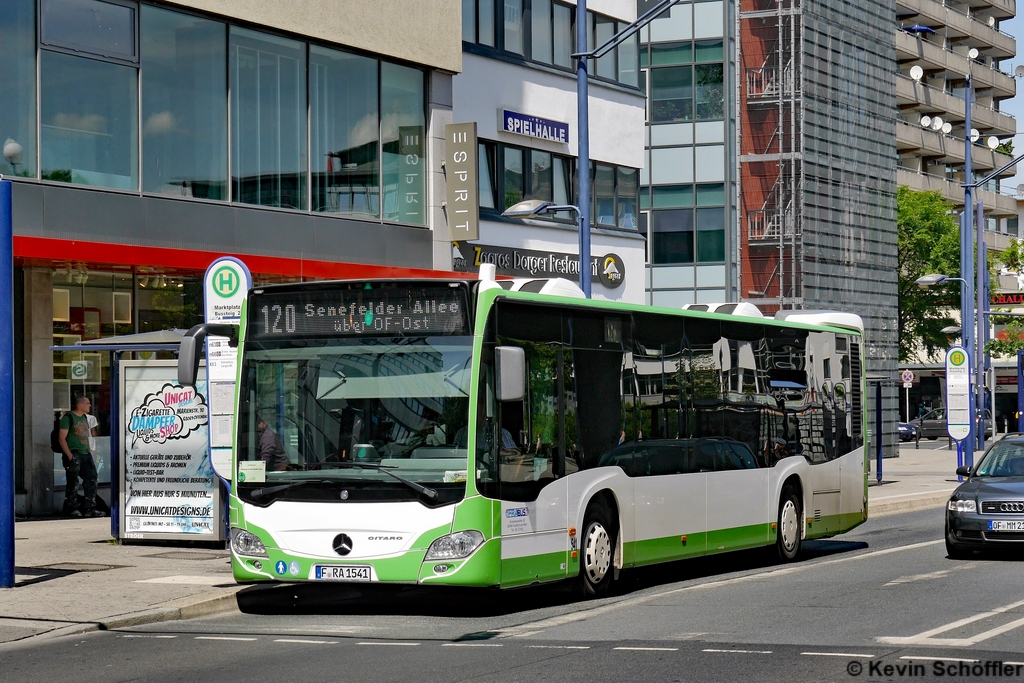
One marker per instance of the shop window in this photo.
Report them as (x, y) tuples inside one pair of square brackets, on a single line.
[(184, 109), (89, 121), (343, 133), (268, 119), (18, 88), (402, 140)]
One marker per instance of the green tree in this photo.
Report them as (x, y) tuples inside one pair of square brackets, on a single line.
[(927, 241), (1011, 337)]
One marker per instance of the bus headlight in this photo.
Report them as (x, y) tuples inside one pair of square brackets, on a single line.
[(454, 546), (962, 505), (245, 543)]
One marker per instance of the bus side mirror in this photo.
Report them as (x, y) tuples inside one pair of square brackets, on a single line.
[(191, 349), (510, 371)]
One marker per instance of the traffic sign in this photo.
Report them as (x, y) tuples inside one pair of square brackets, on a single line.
[(907, 376)]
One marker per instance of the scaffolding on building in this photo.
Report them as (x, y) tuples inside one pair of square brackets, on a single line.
[(771, 153)]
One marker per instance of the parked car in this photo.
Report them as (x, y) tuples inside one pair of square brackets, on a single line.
[(908, 431), (933, 424), (987, 510)]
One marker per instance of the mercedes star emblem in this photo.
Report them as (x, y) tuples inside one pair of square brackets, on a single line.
[(342, 544)]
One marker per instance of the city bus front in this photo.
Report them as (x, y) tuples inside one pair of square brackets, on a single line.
[(352, 422)]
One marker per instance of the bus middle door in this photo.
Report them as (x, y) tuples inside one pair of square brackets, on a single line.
[(534, 492)]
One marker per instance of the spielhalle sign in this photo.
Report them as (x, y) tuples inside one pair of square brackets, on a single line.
[(609, 269)]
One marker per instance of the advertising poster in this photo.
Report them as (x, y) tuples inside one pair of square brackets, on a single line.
[(168, 486)]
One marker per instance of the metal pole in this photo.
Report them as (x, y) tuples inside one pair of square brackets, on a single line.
[(583, 144), (115, 445), (1020, 390), (960, 459), (878, 430), (980, 272), (6, 386)]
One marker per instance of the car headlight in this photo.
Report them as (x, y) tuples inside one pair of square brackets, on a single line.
[(962, 505), (245, 543), (454, 546)]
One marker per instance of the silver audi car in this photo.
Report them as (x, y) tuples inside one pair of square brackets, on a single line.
[(987, 510)]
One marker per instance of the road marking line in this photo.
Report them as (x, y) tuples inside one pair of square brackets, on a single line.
[(563, 647), (941, 659), (307, 642), (395, 644), (563, 619), (741, 652), (925, 637), (836, 654), (224, 638), (932, 575), (649, 649), (134, 636), (472, 645)]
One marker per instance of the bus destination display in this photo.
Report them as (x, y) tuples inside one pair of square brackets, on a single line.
[(359, 312)]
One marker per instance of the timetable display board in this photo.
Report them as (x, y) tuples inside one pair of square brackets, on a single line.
[(350, 310)]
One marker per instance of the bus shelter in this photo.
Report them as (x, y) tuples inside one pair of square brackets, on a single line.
[(162, 485)]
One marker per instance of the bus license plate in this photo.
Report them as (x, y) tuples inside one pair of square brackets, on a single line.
[(1005, 525), (342, 572)]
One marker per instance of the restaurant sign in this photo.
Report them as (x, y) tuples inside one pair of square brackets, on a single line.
[(609, 269)]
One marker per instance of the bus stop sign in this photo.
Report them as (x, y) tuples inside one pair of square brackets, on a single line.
[(958, 393)]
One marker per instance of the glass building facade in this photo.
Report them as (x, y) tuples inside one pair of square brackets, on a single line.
[(135, 97), (688, 184)]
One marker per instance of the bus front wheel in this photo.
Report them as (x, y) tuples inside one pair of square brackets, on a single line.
[(787, 541), (597, 552)]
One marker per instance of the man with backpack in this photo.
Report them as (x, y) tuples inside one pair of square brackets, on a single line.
[(73, 435)]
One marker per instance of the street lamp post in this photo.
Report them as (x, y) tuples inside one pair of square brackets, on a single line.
[(583, 117)]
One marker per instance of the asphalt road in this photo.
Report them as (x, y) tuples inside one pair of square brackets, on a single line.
[(881, 596)]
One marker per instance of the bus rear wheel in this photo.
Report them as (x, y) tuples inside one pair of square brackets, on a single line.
[(597, 552), (787, 540)]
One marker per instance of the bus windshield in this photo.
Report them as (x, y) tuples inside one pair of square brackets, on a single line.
[(337, 419)]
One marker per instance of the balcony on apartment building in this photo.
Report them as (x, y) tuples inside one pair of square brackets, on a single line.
[(933, 57), (1000, 9), (940, 147), (973, 31), (998, 205), (925, 99)]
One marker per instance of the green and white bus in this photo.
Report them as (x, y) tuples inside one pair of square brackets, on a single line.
[(483, 433)]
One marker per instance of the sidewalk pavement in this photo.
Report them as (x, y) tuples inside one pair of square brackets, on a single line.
[(72, 578)]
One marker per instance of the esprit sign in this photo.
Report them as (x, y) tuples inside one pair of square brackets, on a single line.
[(462, 204), (534, 126)]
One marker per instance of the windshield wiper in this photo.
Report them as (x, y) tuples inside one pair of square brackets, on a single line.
[(268, 490), (419, 488)]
